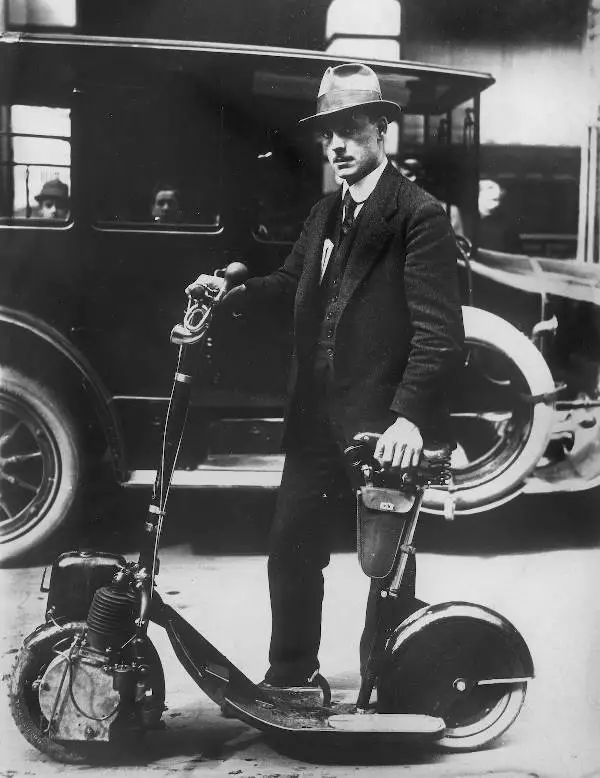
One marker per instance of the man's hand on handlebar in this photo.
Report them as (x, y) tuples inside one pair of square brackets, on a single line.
[(203, 284), (207, 285), (400, 446)]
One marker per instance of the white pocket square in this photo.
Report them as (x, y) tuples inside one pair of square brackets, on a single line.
[(327, 249)]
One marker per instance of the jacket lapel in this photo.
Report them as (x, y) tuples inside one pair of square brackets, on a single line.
[(371, 233)]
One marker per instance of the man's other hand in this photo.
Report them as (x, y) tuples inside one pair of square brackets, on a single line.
[(400, 445)]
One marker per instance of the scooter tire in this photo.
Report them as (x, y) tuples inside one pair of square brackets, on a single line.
[(30, 664), (426, 659)]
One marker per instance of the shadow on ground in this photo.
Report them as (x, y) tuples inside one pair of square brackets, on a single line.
[(237, 522)]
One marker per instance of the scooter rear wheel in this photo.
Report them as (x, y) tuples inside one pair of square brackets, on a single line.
[(435, 672), (31, 663)]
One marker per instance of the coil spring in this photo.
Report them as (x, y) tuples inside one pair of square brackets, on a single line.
[(111, 618)]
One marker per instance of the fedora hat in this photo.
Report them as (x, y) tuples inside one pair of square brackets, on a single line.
[(347, 87), (55, 189)]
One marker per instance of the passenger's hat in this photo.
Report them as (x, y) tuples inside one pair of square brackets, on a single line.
[(347, 87), (55, 189)]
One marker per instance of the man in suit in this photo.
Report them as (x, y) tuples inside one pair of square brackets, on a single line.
[(377, 337)]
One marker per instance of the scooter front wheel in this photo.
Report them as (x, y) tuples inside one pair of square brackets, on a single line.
[(39, 650), (436, 662)]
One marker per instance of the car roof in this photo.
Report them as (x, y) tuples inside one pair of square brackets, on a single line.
[(435, 88)]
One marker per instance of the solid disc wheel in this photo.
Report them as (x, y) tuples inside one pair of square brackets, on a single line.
[(436, 672), (40, 464), (30, 666), (491, 716)]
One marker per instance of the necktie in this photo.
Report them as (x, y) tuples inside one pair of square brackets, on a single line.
[(349, 209)]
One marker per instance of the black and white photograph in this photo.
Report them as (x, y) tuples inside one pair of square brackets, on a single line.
[(300, 388)]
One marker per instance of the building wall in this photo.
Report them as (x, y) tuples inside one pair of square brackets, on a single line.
[(533, 118), (539, 97), (291, 23)]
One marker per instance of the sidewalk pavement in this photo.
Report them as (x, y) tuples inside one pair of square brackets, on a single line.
[(556, 735)]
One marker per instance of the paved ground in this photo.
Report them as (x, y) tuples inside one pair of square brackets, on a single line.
[(548, 592)]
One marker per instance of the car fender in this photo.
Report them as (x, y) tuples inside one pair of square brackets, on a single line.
[(100, 396)]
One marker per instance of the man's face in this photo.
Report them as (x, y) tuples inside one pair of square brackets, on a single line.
[(165, 207), (354, 146), (53, 208)]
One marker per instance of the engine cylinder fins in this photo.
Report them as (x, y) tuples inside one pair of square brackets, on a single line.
[(111, 618)]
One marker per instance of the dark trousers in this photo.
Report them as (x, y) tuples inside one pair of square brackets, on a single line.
[(316, 506)]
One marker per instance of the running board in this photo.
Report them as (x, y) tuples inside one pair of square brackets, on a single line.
[(251, 471)]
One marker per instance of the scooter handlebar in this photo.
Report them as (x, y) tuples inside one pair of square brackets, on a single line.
[(433, 468), (203, 298)]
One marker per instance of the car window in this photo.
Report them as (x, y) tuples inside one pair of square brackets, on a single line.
[(35, 165), (156, 158), (286, 185)]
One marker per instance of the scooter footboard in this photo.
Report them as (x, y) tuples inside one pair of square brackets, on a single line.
[(462, 662)]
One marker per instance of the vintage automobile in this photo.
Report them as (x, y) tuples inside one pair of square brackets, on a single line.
[(88, 297)]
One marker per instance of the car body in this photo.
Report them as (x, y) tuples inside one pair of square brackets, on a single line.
[(87, 300)]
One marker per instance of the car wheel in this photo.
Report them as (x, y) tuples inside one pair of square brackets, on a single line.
[(40, 464), (501, 432)]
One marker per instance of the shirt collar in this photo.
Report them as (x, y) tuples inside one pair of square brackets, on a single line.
[(363, 188)]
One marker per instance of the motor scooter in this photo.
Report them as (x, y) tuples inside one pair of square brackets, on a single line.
[(89, 682)]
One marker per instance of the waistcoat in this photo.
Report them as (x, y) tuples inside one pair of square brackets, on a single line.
[(329, 298)]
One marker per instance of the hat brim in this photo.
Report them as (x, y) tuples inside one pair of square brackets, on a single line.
[(387, 108), (50, 196)]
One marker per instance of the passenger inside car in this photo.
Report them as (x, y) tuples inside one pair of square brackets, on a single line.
[(53, 200), (166, 205), (497, 229)]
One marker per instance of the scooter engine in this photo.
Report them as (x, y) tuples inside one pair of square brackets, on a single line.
[(77, 696), (111, 618), (97, 686)]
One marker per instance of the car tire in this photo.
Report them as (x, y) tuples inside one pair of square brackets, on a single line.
[(40, 464), (504, 370)]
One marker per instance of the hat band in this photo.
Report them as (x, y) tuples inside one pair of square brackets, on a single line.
[(347, 98)]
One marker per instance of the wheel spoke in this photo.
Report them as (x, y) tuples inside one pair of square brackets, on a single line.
[(16, 481), (5, 509), (16, 458), (492, 417), (9, 434)]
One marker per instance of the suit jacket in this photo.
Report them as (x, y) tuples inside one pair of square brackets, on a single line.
[(398, 330)]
